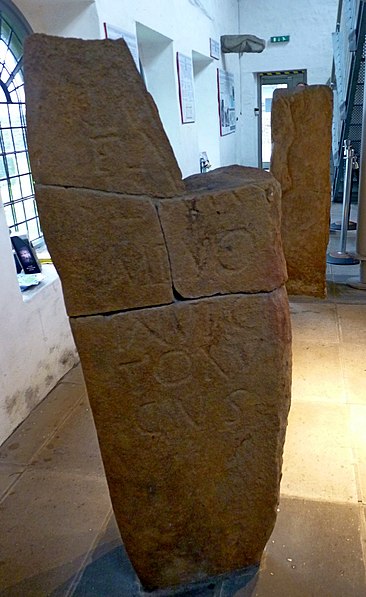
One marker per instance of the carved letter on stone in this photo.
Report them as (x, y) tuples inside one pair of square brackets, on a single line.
[(175, 292)]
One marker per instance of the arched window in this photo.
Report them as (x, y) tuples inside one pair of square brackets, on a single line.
[(16, 184)]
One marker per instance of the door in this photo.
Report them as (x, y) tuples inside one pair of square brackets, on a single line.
[(267, 83)]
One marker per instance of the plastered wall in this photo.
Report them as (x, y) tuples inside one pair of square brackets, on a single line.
[(66, 18), (36, 347)]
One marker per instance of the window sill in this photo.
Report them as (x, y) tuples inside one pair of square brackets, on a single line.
[(50, 279)]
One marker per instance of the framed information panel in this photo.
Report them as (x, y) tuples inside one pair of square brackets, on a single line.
[(226, 96), (186, 88)]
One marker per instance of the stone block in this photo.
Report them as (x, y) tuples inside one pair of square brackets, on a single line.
[(190, 397), (190, 402), (91, 122), (224, 235), (108, 249), (301, 135)]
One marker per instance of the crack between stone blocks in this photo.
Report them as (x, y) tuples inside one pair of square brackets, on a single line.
[(177, 301), (119, 192), (176, 294)]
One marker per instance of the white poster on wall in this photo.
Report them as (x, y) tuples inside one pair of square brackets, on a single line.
[(130, 39), (186, 88), (226, 95)]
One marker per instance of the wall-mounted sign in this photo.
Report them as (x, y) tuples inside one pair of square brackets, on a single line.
[(279, 39), (186, 88), (130, 39), (226, 95), (214, 49)]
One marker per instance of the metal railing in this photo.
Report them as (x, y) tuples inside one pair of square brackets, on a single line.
[(347, 81)]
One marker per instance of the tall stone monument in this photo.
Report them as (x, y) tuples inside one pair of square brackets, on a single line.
[(175, 292), (301, 136)]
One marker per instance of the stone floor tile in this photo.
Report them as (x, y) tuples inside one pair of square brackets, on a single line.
[(361, 481), (9, 474), (317, 373), (74, 447), (75, 375), (315, 551), (321, 425), (358, 433), (318, 456), (41, 424), (315, 322), (353, 359), (358, 429), (352, 320), (48, 526)]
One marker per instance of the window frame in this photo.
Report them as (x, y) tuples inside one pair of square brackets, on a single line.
[(15, 173)]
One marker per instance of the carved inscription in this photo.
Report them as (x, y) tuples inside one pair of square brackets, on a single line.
[(118, 256), (191, 364), (225, 241), (82, 90), (189, 397), (174, 368), (176, 397)]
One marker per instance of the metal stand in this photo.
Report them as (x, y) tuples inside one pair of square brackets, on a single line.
[(361, 283), (341, 257), (361, 218), (338, 226)]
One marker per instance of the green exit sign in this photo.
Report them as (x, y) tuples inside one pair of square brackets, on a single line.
[(278, 39)]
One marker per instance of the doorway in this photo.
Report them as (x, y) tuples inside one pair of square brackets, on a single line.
[(267, 83)]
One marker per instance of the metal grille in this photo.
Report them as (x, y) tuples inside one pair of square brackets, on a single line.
[(354, 125), (16, 183), (347, 120)]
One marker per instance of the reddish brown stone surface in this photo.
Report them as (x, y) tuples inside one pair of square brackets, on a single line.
[(225, 234), (301, 134), (190, 403), (108, 249), (190, 399), (91, 122)]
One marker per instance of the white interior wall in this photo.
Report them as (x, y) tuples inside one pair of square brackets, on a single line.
[(66, 18), (309, 24), (207, 113), (36, 347), (157, 59)]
